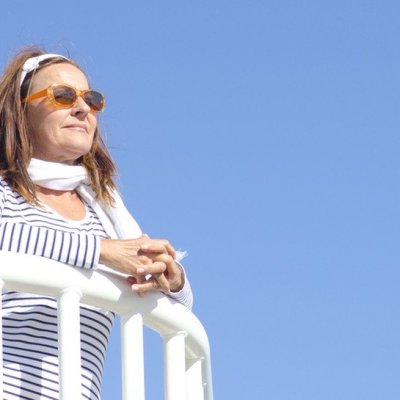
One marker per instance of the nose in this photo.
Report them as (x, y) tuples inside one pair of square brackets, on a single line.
[(81, 106)]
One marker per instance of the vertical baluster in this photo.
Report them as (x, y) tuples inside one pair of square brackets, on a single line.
[(1, 342), (174, 367), (132, 357), (207, 378), (194, 380), (69, 344)]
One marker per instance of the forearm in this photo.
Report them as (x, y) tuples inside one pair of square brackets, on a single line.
[(80, 250)]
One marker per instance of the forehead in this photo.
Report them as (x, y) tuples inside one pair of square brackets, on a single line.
[(59, 73)]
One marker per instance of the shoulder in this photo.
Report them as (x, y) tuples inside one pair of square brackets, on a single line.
[(3, 182), (8, 195), (6, 190), (4, 187)]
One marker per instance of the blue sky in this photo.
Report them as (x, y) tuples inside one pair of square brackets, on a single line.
[(263, 137)]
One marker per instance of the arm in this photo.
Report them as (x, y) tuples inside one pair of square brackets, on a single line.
[(86, 251), (76, 249)]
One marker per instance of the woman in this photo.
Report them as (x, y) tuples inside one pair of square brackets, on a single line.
[(58, 200)]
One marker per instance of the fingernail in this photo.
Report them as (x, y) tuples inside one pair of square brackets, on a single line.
[(167, 290)]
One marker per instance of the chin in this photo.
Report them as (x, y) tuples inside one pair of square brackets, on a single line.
[(74, 159)]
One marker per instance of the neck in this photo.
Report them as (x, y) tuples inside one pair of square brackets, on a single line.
[(66, 202), (54, 192)]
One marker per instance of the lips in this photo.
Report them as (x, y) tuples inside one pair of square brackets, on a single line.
[(78, 127)]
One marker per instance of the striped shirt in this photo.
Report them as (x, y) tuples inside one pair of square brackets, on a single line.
[(30, 353)]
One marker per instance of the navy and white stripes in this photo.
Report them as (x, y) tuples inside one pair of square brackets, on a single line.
[(76, 249), (30, 354)]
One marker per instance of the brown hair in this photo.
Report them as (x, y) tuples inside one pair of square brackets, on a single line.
[(16, 144)]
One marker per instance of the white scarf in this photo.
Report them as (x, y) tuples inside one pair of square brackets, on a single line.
[(117, 221)]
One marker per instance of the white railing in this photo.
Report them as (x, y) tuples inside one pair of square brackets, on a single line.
[(187, 366)]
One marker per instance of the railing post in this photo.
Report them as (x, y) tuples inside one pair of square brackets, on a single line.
[(174, 366), (185, 378), (69, 344), (132, 357), (194, 380)]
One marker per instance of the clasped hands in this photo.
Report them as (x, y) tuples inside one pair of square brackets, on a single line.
[(149, 263)]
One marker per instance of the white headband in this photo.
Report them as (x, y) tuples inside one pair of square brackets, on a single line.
[(32, 63)]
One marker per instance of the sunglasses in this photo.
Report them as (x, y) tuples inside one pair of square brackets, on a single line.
[(65, 96)]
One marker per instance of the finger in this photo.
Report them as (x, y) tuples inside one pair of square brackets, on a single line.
[(133, 280), (142, 288), (175, 276), (163, 257), (142, 268), (152, 247), (151, 285), (158, 245), (156, 267), (170, 250), (162, 283), (173, 270), (157, 270)]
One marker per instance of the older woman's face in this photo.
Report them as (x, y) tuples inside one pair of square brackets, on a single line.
[(60, 134)]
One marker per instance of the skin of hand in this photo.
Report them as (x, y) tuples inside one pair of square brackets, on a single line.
[(173, 272), (149, 262)]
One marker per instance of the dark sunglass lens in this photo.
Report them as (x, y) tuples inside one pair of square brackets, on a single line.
[(64, 95), (94, 99)]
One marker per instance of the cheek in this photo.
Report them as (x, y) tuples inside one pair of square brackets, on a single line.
[(34, 123), (93, 124), (40, 121)]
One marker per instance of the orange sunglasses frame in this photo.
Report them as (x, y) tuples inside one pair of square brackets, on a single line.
[(50, 95)]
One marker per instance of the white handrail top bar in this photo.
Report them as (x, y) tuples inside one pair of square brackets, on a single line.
[(103, 289)]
